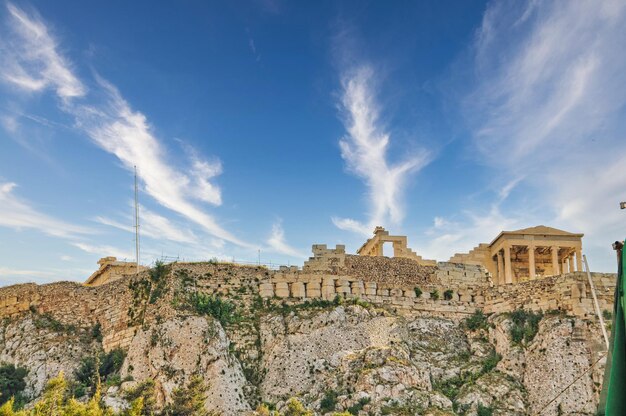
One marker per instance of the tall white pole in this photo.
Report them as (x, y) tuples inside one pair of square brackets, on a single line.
[(136, 222), (595, 303)]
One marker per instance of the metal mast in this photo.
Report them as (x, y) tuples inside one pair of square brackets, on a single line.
[(136, 222)]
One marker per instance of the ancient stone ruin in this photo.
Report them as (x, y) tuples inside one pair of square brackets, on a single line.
[(374, 247), (527, 254)]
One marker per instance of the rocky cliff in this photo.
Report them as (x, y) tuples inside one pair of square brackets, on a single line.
[(364, 358)]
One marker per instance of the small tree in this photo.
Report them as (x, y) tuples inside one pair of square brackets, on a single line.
[(51, 404), (11, 382), (295, 408), (188, 401), (144, 391)]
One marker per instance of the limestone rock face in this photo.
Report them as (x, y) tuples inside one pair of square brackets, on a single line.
[(359, 353), (46, 351), (561, 351), (333, 357), (172, 351)]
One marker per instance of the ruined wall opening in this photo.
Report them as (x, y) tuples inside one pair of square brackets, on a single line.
[(388, 250)]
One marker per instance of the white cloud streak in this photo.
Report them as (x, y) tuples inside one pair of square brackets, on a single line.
[(105, 250), (154, 226), (19, 214), (36, 47), (365, 148), (549, 106), (278, 244), (35, 63)]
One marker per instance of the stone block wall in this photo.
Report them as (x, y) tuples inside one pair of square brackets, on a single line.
[(570, 293), (460, 275), (451, 290), (72, 303), (325, 259)]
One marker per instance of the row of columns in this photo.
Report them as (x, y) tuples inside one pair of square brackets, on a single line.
[(570, 263)]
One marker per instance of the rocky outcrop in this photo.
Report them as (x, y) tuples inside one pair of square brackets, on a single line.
[(171, 352), (333, 355), (45, 346)]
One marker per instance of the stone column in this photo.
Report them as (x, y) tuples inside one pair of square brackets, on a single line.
[(564, 265), (555, 260), (500, 278), (579, 260), (531, 262), (570, 258), (508, 273)]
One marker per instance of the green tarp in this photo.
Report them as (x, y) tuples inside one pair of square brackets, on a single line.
[(615, 371)]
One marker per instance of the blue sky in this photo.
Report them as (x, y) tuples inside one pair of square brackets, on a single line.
[(272, 125)]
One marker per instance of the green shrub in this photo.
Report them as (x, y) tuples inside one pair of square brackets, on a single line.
[(447, 295), (12, 382), (145, 392), (484, 410), (358, 406), (188, 401), (105, 365), (328, 402), (478, 320), (96, 332), (158, 279), (434, 294), (222, 310), (525, 325), (418, 291), (47, 321), (491, 361), (607, 315), (295, 408)]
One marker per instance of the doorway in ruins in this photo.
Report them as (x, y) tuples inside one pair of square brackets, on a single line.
[(388, 249)]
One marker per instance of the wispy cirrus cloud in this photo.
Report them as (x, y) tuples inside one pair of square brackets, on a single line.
[(278, 244), (365, 150), (99, 249), (152, 225), (548, 106), (33, 62), (18, 213), (30, 59)]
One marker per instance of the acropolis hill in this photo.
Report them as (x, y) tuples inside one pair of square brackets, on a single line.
[(358, 332)]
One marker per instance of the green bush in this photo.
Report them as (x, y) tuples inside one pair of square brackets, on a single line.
[(434, 294), (491, 361), (418, 291), (96, 332), (145, 392), (222, 310), (105, 365), (447, 295), (484, 410), (478, 320), (188, 401), (328, 402), (525, 325), (158, 281), (12, 382), (358, 406), (58, 401)]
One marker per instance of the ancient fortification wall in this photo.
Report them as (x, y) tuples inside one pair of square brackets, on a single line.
[(74, 304), (449, 290)]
